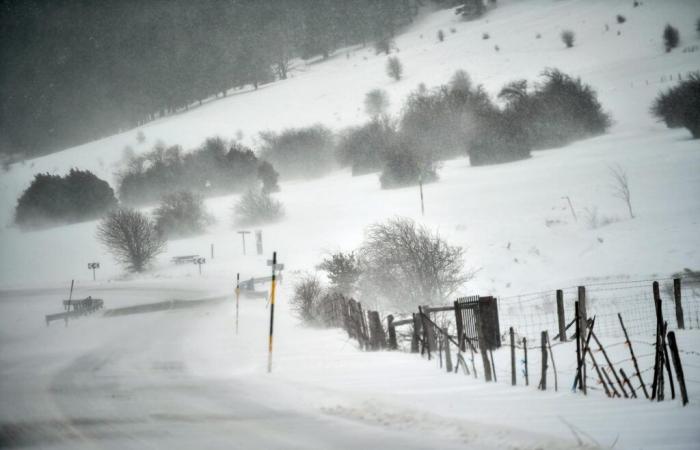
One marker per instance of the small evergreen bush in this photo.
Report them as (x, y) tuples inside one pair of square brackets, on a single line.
[(52, 199), (680, 105), (568, 37), (671, 37), (394, 68)]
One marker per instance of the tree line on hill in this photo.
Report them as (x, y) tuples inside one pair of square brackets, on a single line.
[(77, 70)]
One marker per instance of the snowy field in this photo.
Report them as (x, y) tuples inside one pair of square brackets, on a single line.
[(184, 379)]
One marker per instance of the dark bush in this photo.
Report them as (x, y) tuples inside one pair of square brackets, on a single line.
[(439, 122), (502, 138), (257, 208), (52, 199), (376, 103), (561, 110), (621, 19), (671, 37), (568, 36), (441, 35), (680, 105), (181, 214), (217, 167), (299, 152), (363, 148), (403, 166), (394, 68)]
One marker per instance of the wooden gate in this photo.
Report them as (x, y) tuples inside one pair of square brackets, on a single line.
[(477, 322)]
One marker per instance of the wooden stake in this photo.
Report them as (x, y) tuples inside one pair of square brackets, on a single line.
[(543, 378), (610, 364), (560, 315), (677, 366), (627, 381), (527, 379), (679, 305), (448, 355), (634, 359), (393, 345), (554, 366), (512, 357)]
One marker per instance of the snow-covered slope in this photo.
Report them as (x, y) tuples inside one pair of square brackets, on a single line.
[(482, 208)]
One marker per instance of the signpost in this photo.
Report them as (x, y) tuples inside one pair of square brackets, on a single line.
[(275, 266), (93, 266), (243, 233), (199, 262), (238, 293), (258, 241)]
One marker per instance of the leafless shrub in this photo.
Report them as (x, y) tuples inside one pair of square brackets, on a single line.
[(406, 265), (621, 187), (595, 220), (307, 294), (257, 207), (131, 237)]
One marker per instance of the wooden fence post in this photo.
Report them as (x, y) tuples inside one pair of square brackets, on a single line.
[(657, 389), (610, 365), (543, 379), (679, 306), (627, 381), (483, 350), (460, 327), (427, 342), (377, 338), (554, 366), (393, 345), (578, 347), (560, 315), (677, 366), (583, 318), (512, 357), (527, 378), (415, 339), (448, 355)]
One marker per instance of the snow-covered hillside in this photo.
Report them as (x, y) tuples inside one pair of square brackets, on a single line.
[(626, 69), (512, 219)]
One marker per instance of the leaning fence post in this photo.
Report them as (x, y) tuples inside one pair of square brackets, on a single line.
[(543, 379), (392, 332), (560, 315), (634, 358), (677, 366), (512, 357), (460, 327), (448, 355), (679, 306)]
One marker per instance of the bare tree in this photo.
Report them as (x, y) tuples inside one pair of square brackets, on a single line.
[(407, 265), (621, 188), (394, 68), (131, 237)]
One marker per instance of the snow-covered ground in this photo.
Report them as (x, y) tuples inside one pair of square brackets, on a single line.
[(184, 379)]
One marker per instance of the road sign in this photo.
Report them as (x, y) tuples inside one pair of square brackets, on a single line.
[(93, 266), (199, 262)]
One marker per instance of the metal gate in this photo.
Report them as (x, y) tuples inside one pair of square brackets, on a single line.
[(477, 322)]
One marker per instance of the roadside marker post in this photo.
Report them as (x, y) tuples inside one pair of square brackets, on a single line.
[(275, 266), (238, 293)]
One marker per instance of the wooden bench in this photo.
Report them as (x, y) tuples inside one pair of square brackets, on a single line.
[(184, 259)]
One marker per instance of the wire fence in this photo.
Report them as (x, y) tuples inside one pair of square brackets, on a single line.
[(534, 312)]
